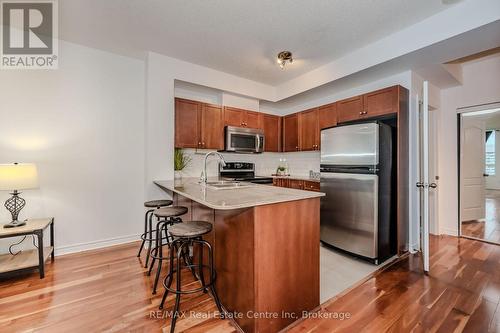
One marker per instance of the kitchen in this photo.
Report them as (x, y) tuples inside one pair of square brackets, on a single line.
[(240, 141)]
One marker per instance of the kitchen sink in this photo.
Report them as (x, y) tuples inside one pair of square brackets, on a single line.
[(228, 184)]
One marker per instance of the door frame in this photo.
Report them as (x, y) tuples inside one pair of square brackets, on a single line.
[(460, 112)]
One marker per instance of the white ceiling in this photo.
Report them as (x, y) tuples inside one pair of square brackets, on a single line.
[(240, 37)]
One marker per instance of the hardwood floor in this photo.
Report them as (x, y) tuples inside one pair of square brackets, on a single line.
[(489, 228), (107, 291), (460, 294), (99, 291)]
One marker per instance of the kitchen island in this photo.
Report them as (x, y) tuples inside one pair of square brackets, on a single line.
[(266, 248)]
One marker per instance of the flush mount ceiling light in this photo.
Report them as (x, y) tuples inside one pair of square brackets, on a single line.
[(284, 57)]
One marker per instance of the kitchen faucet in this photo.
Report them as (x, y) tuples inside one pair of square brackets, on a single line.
[(204, 177)]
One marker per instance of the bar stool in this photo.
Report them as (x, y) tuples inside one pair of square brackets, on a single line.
[(166, 216), (189, 234), (148, 229)]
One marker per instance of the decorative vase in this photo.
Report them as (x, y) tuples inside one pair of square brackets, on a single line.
[(177, 174)]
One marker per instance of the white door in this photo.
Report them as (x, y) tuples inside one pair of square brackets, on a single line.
[(424, 184), (472, 168), (433, 171)]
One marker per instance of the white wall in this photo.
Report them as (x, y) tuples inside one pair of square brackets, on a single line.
[(83, 125), (481, 85)]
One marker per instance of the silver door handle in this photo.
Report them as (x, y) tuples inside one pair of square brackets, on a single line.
[(420, 184), (433, 185), (258, 142)]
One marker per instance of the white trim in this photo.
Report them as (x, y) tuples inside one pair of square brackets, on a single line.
[(481, 107), (67, 249), (448, 231)]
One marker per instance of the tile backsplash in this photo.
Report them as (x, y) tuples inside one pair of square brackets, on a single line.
[(299, 163)]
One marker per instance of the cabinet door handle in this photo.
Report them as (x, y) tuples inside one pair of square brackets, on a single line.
[(199, 143), (203, 144), (360, 112)]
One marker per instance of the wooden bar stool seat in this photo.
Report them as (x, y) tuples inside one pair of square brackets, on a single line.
[(172, 211), (157, 203)]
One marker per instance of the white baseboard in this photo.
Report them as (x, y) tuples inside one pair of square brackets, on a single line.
[(61, 250), (448, 231)]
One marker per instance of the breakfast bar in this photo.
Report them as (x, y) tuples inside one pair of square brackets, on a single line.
[(266, 248)]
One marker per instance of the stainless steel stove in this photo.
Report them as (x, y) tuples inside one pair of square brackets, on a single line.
[(242, 171)]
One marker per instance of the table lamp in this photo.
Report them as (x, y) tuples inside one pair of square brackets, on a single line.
[(15, 177)]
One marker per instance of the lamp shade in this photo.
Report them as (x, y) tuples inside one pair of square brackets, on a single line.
[(18, 176)]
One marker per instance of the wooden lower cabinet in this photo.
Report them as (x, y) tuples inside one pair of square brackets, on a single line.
[(312, 186), (299, 184), (296, 184)]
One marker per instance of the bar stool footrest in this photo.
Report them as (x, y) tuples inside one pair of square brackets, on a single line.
[(190, 291)]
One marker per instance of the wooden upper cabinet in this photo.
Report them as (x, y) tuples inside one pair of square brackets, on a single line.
[(327, 116), (309, 129), (350, 109), (272, 129), (187, 123), (374, 104), (252, 119), (291, 133), (381, 102), (198, 125), (233, 116), (212, 127), (241, 118)]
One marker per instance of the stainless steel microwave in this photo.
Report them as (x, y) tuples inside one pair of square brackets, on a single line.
[(244, 140)]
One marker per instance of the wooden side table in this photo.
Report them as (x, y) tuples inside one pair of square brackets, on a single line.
[(28, 258)]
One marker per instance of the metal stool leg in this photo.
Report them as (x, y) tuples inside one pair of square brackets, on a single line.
[(200, 265), (150, 242), (145, 230), (171, 271), (160, 249), (212, 279), (157, 241), (175, 313)]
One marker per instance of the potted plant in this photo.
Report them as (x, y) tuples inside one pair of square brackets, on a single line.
[(181, 161)]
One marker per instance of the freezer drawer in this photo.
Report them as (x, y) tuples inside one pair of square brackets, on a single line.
[(349, 212)]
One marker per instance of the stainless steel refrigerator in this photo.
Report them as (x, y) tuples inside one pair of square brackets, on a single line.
[(357, 175)]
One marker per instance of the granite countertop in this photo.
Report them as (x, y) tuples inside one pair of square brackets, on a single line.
[(226, 199)]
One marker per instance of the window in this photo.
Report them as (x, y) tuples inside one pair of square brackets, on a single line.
[(490, 153)]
